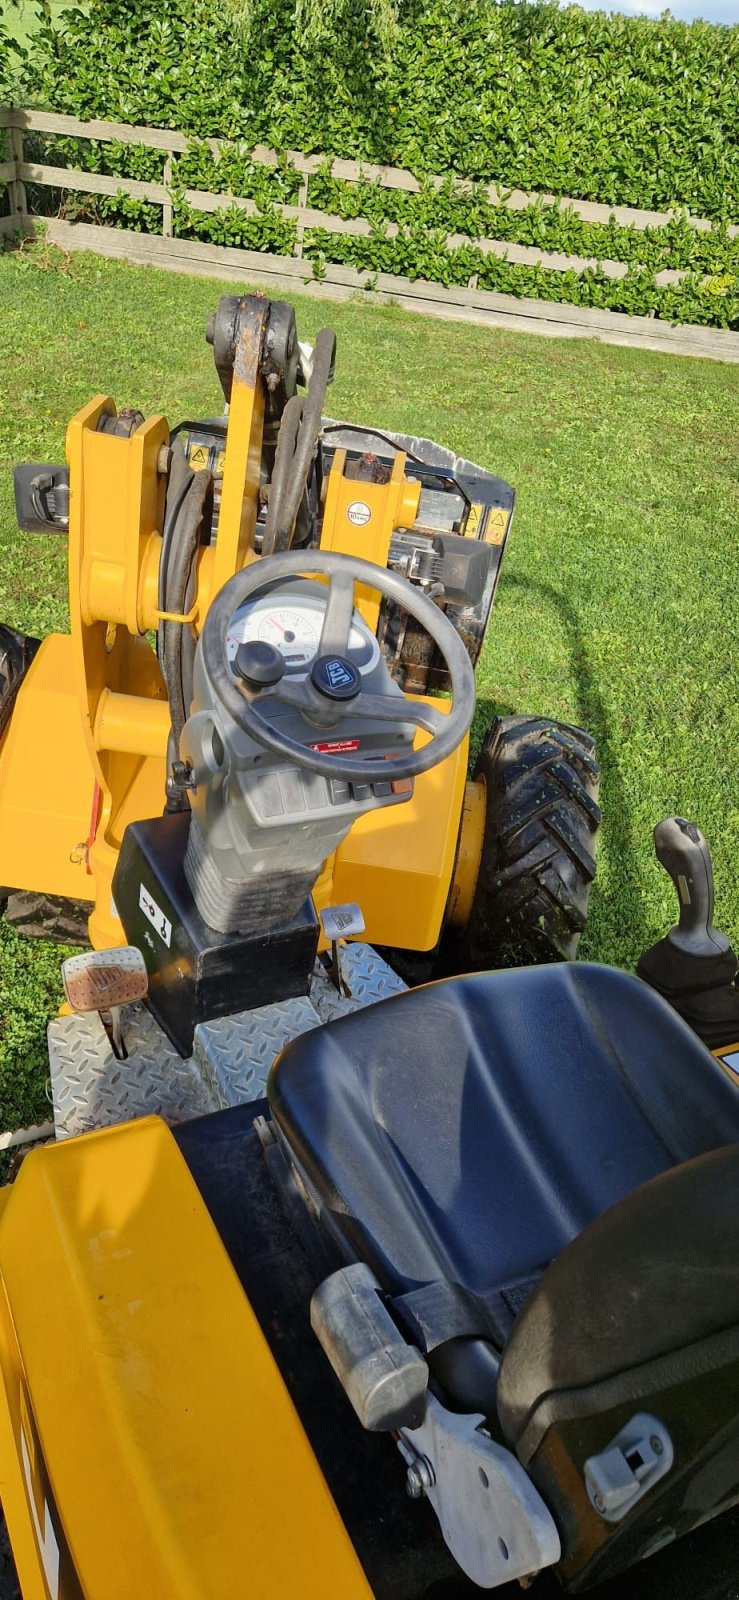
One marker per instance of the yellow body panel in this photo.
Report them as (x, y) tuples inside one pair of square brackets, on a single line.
[(163, 1453), (240, 493), (398, 863), (469, 853), (46, 781), (384, 507), (116, 504)]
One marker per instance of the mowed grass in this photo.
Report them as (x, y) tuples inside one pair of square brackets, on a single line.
[(619, 603)]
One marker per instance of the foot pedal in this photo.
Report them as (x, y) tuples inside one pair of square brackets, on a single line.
[(105, 980)]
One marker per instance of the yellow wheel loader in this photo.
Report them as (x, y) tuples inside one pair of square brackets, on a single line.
[(329, 1285), (158, 520)]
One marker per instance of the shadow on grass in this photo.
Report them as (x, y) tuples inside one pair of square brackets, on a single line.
[(615, 839)]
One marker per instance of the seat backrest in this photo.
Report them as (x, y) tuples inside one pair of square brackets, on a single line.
[(638, 1314), (469, 1130)]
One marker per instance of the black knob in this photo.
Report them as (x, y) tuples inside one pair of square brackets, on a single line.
[(336, 677), (259, 664)]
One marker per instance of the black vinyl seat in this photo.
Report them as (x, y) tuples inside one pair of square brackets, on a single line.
[(541, 1167), (464, 1133)]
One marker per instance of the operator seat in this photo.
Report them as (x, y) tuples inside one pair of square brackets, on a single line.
[(541, 1167)]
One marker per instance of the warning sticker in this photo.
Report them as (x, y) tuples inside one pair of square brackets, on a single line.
[(472, 525), (199, 457), (159, 922), (333, 747), (358, 513), (496, 527)]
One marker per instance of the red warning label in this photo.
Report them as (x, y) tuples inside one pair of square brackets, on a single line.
[(335, 747)]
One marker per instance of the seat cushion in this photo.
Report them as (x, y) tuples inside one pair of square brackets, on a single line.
[(464, 1133)]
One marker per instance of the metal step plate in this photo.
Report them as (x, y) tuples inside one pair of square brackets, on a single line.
[(234, 1054), (91, 1088), (365, 974), (231, 1057)]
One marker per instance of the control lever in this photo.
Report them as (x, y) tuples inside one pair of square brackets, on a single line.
[(105, 980), (694, 966)]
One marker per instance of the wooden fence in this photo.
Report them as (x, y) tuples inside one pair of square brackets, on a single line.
[(468, 303)]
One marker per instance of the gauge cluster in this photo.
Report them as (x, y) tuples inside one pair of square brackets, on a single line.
[(291, 619)]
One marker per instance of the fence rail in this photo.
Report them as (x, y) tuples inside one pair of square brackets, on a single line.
[(469, 304)]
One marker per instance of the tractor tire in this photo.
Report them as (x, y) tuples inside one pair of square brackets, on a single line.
[(537, 866), (10, 1588), (17, 651), (46, 916)]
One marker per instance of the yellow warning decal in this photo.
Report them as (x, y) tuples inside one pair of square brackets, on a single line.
[(472, 525), (199, 457), (495, 531)]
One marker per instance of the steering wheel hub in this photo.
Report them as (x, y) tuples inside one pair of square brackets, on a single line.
[(336, 677)]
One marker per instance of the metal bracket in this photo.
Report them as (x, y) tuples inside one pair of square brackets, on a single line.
[(493, 1520)]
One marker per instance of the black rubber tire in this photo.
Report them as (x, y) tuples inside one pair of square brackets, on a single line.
[(45, 916), (17, 651), (10, 1588), (541, 784)]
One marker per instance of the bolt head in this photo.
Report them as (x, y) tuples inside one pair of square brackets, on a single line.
[(419, 1478), (656, 1444), (414, 1483)]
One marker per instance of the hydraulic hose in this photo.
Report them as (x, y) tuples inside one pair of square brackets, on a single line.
[(181, 476), (177, 660), (186, 496), (301, 426)]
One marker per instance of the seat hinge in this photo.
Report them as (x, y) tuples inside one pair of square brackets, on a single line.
[(630, 1465)]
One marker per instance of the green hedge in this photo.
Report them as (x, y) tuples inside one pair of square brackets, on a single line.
[(604, 107), (617, 109), (709, 294)]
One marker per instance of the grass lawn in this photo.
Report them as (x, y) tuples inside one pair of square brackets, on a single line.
[(619, 603)]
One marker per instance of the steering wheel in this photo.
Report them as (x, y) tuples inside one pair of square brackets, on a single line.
[(333, 685)]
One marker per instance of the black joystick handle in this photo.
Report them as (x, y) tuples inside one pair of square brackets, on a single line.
[(682, 851), (694, 966)]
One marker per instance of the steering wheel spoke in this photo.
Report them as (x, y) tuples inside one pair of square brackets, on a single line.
[(388, 708), (337, 620)]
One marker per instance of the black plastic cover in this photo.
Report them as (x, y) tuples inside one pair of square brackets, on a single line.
[(41, 498), (465, 567), (640, 1315), (195, 972)]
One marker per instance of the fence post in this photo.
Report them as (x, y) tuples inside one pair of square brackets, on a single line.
[(300, 228), (167, 207), (17, 189)]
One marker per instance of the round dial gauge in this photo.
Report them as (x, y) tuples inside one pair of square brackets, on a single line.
[(294, 629), (295, 633)]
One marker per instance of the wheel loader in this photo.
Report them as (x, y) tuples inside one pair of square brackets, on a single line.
[(331, 1282)]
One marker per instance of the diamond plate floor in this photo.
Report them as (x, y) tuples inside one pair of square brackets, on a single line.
[(91, 1088), (231, 1057), (235, 1053), (365, 974)]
